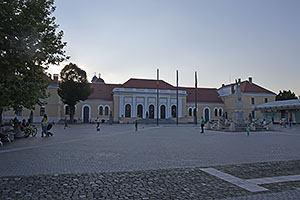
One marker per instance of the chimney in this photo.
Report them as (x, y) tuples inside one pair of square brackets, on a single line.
[(239, 80), (223, 85), (55, 78), (250, 79)]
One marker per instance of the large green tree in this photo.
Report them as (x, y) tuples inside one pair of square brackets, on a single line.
[(29, 43), (285, 95), (73, 87)]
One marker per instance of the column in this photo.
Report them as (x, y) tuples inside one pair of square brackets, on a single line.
[(180, 107), (294, 116), (146, 109), (121, 111), (133, 106), (169, 108)]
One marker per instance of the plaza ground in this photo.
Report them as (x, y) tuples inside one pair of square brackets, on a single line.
[(161, 162)]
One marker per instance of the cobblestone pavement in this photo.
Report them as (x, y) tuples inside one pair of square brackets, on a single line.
[(153, 163), (186, 183)]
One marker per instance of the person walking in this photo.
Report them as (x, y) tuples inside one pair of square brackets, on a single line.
[(136, 125), (290, 122), (280, 122), (66, 123), (202, 125), (98, 124), (44, 125)]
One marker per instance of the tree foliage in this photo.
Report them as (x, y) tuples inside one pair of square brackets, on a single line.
[(29, 43), (285, 95), (73, 87)]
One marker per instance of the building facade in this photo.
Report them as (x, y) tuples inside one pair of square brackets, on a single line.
[(138, 99)]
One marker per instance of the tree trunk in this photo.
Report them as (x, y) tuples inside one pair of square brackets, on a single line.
[(1, 112), (72, 112)]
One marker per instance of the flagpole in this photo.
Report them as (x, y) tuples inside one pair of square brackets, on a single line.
[(157, 97), (176, 97), (196, 94)]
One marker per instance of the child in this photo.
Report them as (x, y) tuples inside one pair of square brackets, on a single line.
[(248, 129), (280, 122)]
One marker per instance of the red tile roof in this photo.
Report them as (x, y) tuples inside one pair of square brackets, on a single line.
[(247, 87), (147, 83), (208, 95), (102, 91)]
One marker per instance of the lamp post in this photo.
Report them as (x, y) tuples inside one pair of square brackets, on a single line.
[(196, 94), (157, 97)]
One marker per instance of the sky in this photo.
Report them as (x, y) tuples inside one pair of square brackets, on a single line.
[(222, 40)]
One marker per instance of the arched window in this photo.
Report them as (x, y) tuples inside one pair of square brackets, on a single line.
[(173, 108), (206, 114), (67, 110), (163, 112), (220, 112), (151, 112), (106, 110), (100, 110), (216, 112), (140, 111), (86, 114), (190, 111), (128, 110), (195, 111)]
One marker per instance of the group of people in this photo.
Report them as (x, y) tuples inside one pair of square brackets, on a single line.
[(283, 122)]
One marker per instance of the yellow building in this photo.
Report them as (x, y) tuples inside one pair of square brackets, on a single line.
[(137, 99)]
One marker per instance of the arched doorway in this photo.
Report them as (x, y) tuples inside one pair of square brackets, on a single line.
[(190, 111), (86, 114), (151, 112), (220, 112), (173, 109), (128, 110), (163, 112), (100, 110), (206, 114), (140, 111)]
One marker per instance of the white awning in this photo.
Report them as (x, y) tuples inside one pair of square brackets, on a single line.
[(280, 105)]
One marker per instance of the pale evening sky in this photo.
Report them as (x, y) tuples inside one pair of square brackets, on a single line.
[(220, 39)]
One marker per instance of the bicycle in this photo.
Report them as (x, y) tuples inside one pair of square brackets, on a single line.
[(30, 130)]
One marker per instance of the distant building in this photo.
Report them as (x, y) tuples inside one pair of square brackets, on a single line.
[(288, 110), (136, 99)]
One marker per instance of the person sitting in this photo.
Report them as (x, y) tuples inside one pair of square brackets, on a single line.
[(23, 125)]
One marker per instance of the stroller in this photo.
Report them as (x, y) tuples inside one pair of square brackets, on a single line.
[(48, 129)]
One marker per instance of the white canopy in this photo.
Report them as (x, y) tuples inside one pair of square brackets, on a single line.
[(280, 105)]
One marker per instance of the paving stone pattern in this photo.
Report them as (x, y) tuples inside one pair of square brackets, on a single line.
[(266, 169), (153, 163), (152, 184), (287, 195)]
